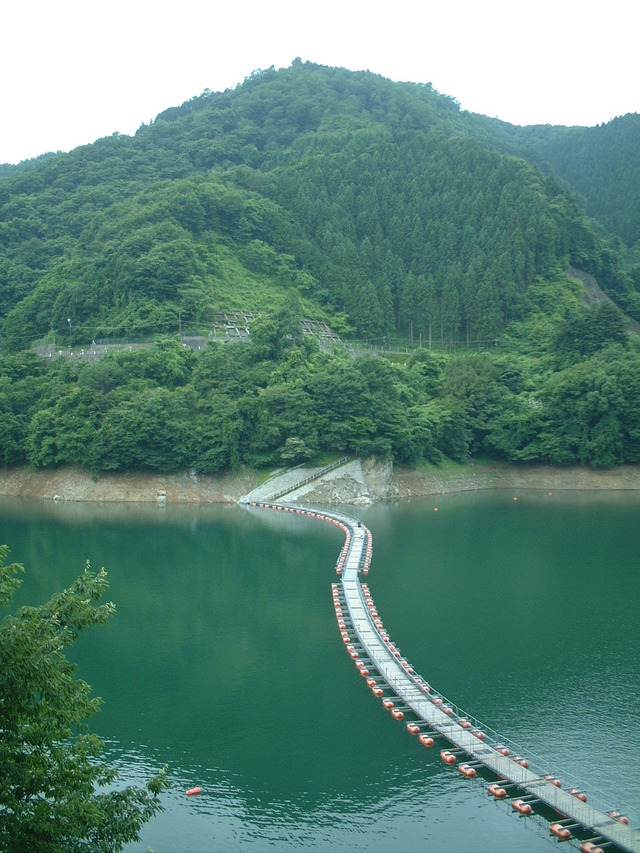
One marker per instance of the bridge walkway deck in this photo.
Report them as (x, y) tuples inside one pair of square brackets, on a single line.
[(432, 709)]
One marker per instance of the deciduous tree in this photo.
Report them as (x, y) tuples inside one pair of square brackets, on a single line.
[(55, 795)]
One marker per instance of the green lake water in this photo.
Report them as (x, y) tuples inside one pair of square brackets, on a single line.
[(224, 661)]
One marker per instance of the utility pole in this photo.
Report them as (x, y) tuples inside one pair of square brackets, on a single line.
[(69, 322)]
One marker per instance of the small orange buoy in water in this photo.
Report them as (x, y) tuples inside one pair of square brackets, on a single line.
[(192, 791), (426, 740)]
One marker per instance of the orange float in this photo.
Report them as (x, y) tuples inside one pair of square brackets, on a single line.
[(579, 795), (426, 740), (559, 831), (192, 791), (619, 817), (497, 791)]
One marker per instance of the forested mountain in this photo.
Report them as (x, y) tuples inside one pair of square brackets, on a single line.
[(375, 199), (600, 164), (379, 207)]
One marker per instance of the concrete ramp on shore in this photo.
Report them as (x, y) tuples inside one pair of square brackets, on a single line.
[(298, 481)]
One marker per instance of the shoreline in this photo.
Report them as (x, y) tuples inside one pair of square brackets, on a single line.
[(379, 482), (501, 475)]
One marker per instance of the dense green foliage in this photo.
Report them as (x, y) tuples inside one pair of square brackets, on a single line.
[(54, 793), (316, 192), (280, 399), (601, 164), (376, 200)]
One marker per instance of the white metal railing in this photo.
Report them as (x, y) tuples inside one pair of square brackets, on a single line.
[(599, 802)]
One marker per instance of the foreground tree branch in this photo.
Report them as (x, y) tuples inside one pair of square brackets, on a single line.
[(54, 793)]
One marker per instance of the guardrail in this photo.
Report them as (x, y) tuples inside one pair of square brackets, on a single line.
[(309, 479), (527, 771)]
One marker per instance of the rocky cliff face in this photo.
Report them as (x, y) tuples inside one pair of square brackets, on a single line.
[(359, 483)]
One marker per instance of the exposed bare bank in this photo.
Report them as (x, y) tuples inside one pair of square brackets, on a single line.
[(359, 483)]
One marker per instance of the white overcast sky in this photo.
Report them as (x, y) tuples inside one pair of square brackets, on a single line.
[(72, 71)]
